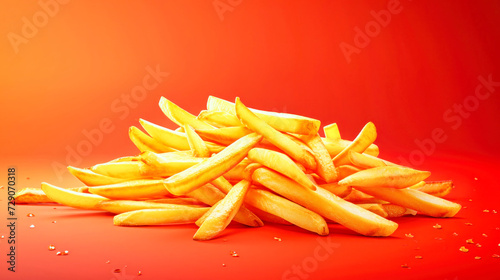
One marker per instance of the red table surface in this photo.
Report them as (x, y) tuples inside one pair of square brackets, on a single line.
[(72, 81), (97, 248)]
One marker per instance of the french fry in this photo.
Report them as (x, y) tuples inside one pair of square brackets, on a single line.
[(223, 212), (167, 164), (179, 201), (336, 189), (196, 144), (364, 162), (132, 190), (90, 178), (374, 208), (282, 164), (145, 142), (279, 121), (72, 198), (180, 116), (385, 176), (206, 171), (210, 195), (364, 139), (332, 131), (346, 170), (123, 170), (149, 217), (236, 173), (287, 210), (125, 158), (202, 219), (335, 146), (167, 137), (394, 211), (268, 217), (414, 199), (435, 188), (326, 204), (224, 135), (122, 206), (247, 173), (275, 137), (219, 119), (37, 195), (359, 197), (324, 165)]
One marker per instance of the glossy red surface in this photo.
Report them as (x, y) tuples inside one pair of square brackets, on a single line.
[(72, 81)]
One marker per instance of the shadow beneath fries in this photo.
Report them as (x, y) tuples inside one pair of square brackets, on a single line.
[(337, 229)]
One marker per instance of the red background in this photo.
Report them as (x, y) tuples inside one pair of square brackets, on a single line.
[(278, 56)]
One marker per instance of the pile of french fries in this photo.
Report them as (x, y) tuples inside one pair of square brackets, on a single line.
[(231, 163)]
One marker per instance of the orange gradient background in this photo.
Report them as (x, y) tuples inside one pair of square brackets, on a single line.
[(79, 66)]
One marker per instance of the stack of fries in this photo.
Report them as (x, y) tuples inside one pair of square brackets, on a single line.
[(232, 163)]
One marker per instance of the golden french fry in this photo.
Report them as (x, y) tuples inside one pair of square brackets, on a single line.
[(210, 195), (122, 170), (326, 204), (279, 121), (147, 217), (282, 164), (413, 199), (385, 210), (223, 213), (132, 190), (359, 197), (72, 198), (247, 173), (224, 135), (188, 201), (346, 170), (385, 176), (167, 164), (335, 146), (37, 195), (435, 188), (336, 189), (180, 116), (324, 165), (332, 131), (125, 158), (90, 178), (174, 139), (122, 206), (236, 173), (200, 221), (268, 217), (394, 211), (219, 118), (170, 138), (275, 137), (213, 167), (364, 139), (363, 161), (196, 144), (287, 210), (145, 142), (374, 208)]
